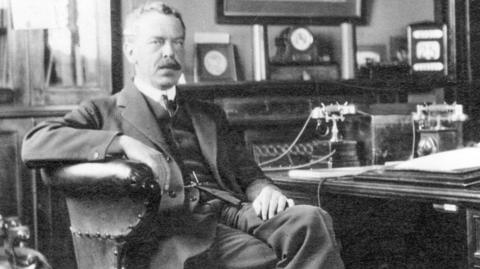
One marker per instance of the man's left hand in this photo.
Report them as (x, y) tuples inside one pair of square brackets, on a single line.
[(270, 202)]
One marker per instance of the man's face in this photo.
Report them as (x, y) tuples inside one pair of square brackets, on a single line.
[(157, 50)]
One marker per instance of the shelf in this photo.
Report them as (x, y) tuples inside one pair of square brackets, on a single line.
[(296, 64), (34, 112), (284, 88), (367, 89)]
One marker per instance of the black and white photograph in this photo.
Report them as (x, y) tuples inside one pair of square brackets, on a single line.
[(239, 134)]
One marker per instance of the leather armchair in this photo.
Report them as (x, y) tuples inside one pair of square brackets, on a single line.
[(110, 204)]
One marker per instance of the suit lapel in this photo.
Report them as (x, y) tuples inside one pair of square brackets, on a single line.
[(206, 131), (134, 109)]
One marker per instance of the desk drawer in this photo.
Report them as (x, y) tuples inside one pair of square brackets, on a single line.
[(473, 237)]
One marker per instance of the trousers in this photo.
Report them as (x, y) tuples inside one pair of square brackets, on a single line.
[(299, 237)]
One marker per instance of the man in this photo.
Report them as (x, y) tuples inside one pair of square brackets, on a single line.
[(265, 231)]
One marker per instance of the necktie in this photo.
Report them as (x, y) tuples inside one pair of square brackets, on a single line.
[(170, 105)]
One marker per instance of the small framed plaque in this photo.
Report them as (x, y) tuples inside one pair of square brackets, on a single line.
[(215, 62), (428, 49)]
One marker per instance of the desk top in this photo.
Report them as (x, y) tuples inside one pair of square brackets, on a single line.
[(347, 185)]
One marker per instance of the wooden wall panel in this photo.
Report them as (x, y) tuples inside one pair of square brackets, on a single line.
[(18, 193), (9, 174), (15, 178)]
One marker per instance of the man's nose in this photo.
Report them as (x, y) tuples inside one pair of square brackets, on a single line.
[(167, 50)]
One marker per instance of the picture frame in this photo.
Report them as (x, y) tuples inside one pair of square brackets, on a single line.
[(399, 49), (215, 62), (371, 54), (289, 11), (428, 49)]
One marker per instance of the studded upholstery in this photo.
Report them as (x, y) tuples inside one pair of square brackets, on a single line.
[(110, 204)]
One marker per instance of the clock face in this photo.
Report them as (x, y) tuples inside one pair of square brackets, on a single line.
[(215, 63), (301, 39), (428, 50)]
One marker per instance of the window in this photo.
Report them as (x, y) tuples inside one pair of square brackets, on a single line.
[(72, 51), (63, 62)]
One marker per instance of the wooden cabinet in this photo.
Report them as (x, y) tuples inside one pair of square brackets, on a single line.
[(23, 194), (473, 230), (10, 180), (399, 224)]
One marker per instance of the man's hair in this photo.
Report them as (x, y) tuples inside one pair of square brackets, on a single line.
[(148, 7)]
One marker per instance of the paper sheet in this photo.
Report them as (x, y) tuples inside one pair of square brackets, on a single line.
[(329, 173), (459, 160)]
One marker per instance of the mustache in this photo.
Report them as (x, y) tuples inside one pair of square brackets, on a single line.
[(170, 64)]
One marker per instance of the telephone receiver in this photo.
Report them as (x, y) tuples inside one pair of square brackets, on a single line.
[(15, 238), (26, 258), (319, 128)]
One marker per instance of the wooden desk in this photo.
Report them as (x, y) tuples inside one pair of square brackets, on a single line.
[(459, 207)]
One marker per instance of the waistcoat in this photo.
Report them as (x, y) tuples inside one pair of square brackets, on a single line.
[(180, 139)]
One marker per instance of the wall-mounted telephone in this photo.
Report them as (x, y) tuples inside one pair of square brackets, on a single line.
[(439, 127), (316, 152)]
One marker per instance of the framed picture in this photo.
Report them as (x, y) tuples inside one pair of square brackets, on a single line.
[(399, 49), (289, 11), (215, 62)]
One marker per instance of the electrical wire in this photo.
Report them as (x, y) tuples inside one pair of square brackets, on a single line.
[(322, 159), (319, 186), (363, 113), (291, 145), (412, 154)]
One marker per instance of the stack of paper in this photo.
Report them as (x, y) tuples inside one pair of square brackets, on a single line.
[(329, 173), (453, 161)]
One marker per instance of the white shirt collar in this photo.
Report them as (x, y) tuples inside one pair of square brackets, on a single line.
[(154, 93)]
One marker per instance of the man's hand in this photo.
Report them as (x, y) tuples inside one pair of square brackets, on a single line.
[(137, 151), (270, 202)]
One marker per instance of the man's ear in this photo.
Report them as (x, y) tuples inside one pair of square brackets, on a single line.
[(128, 51)]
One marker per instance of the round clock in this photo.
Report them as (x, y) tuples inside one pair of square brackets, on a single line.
[(215, 63), (301, 39), (296, 45)]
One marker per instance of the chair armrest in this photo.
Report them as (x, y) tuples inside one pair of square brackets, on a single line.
[(116, 177)]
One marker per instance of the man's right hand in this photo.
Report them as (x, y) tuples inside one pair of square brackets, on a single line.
[(137, 151)]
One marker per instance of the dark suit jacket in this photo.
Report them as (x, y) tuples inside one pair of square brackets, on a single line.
[(85, 134)]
